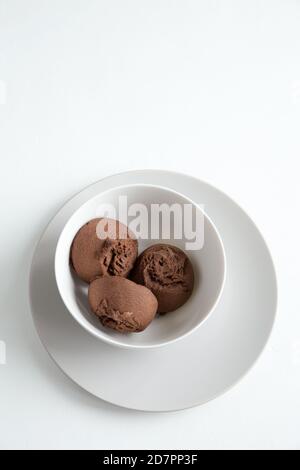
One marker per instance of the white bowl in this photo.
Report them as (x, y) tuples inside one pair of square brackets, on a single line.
[(209, 265)]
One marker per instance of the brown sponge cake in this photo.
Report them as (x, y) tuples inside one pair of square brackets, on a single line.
[(121, 304), (168, 273), (92, 256)]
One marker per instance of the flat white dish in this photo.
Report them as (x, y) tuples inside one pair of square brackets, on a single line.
[(189, 372), (208, 261)]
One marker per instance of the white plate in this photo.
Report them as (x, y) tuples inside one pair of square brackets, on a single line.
[(197, 368)]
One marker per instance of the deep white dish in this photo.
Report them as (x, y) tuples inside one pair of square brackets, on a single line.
[(208, 262)]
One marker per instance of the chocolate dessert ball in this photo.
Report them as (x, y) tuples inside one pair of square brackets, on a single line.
[(121, 304), (92, 256), (168, 273)]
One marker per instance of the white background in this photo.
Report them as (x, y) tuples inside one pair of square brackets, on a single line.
[(90, 88)]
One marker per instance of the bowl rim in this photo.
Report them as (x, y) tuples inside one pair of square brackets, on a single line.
[(115, 342)]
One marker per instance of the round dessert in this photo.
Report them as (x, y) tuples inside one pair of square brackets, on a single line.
[(103, 247), (168, 273), (121, 304)]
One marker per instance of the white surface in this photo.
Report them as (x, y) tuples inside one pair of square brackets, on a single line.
[(192, 371), (209, 260), (210, 88)]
